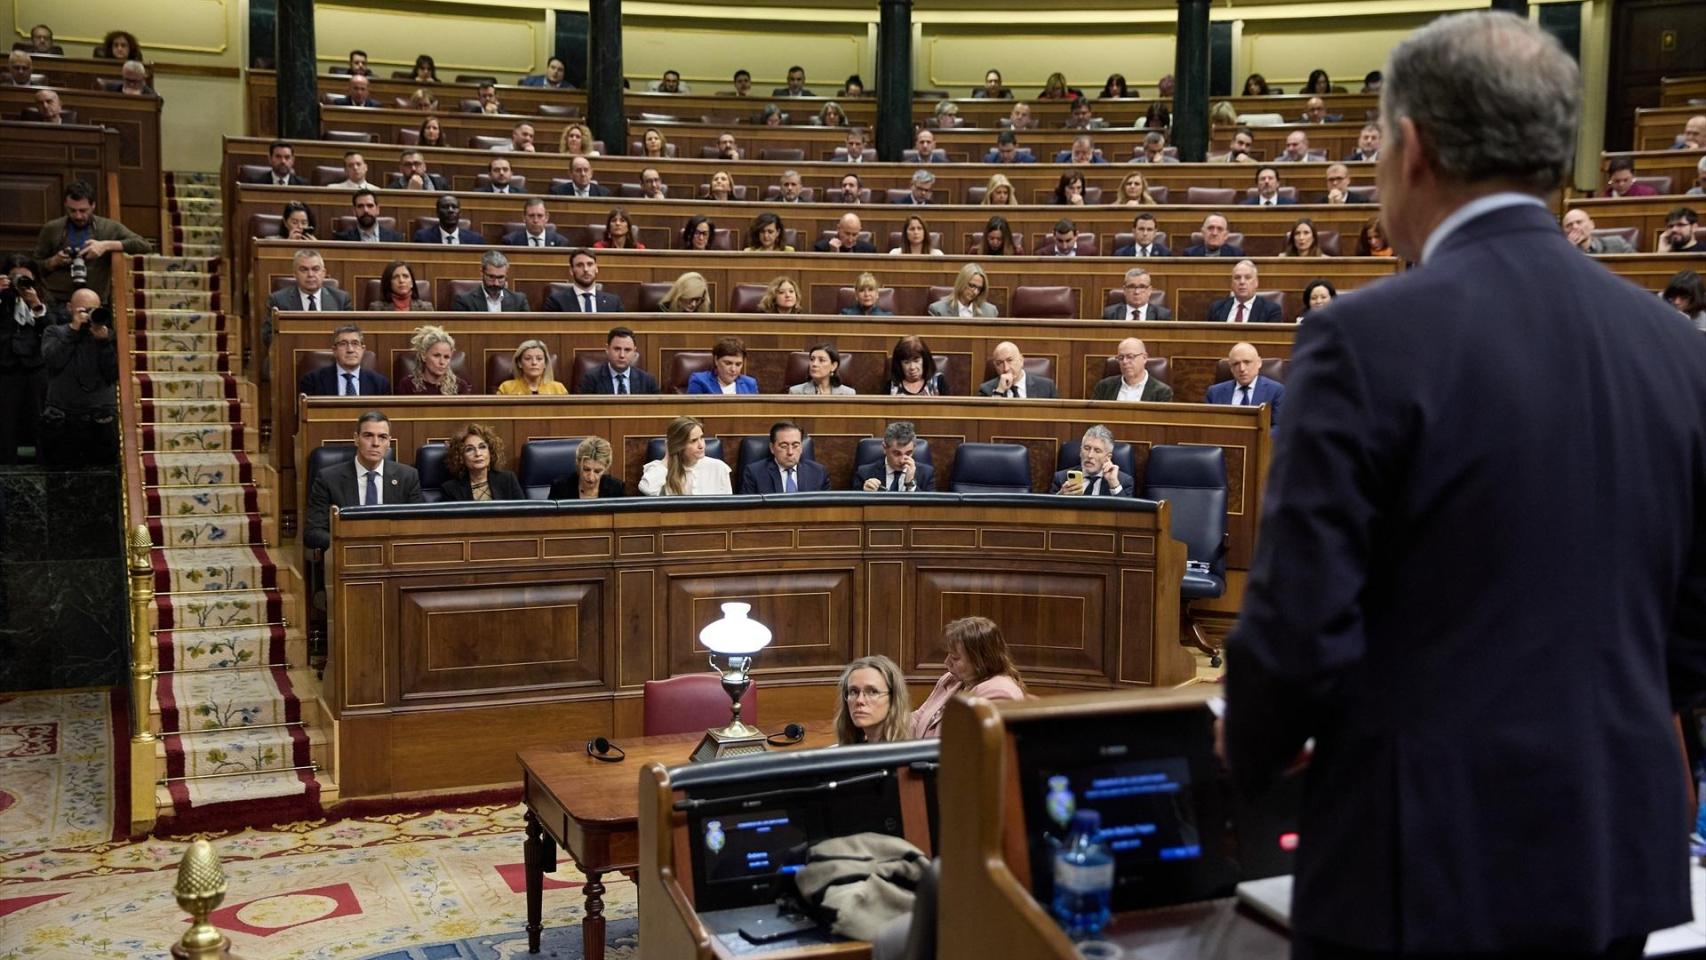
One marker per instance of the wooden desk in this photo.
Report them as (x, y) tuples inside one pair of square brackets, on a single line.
[(1682, 91), (1656, 128), (40, 160), (591, 809), (137, 120)]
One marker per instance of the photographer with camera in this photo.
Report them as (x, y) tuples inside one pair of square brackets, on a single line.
[(79, 427), (74, 250), (24, 315)]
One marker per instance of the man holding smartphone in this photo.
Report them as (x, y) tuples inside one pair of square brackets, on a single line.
[(79, 425), (74, 250), (1097, 474)]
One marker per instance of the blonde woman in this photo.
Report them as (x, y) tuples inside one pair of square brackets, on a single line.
[(592, 479), (866, 292), (533, 374), (970, 296), (653, 143), (999, 192), (780, 296), (577, 141), (874, 703), (685, 471), (434, 350), (688, 294), (1134, 192), (722, 188)]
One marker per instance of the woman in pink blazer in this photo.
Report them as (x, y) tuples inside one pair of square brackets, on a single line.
[(978, 663)]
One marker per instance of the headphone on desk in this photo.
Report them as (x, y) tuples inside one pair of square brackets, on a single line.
[(601, 749), (791, 734)]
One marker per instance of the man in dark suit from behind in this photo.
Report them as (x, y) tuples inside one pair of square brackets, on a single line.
[(412, 174), (897, 471), (1133, 382), (784, 471), (368, 480), (1098, 476), (367, 227), (1138, 289), (584, 295), (281, 158), (493, 295), (345, 376), (620, 372), (1215, 239), (309, 292), (1243, 306), (1144, 239), (449, 228), (1483, 597)]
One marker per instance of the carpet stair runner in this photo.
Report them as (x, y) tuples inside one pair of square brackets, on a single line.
[(236, 706)]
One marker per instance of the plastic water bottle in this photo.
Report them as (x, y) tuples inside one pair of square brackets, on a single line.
[(1083, 878)]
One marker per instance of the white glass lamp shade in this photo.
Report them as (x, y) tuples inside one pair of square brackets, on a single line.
[(735, 633)]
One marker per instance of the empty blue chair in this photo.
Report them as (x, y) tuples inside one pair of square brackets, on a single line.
[(1192, 479), (543, 462), (429, 463), (991, 468)]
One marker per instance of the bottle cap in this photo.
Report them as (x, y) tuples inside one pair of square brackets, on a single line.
[(1086, 821)]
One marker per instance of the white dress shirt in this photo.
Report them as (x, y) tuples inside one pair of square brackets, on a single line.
[(318, 295), (449, 236), (1249, 308), (708, 477), (1133, 391), (361, 484)]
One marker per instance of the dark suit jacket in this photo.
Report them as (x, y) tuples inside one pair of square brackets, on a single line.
[(860, 246), (438, 183), (1108, 388), (924, 474), (855, 311), (1126, 485), (324, 382), (1155, 312), (594, 189), (475, 300), (335, 487), (570, 302), (289, 298), (345, 101), (502, 483), (1065, 156), (1036, 388), (490, 188), (430, 235), (266, 179), (519, 239), (1450, 804), (569, 488), (601, 380), (994, 156), (1261, 310), (1357, 155), (386, 235), (909, 198), (1281, 201), (1263, 390), (1226, 250), (1156, 249), (765, 477)]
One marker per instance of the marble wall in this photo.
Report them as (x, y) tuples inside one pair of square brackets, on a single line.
[(64, 619)]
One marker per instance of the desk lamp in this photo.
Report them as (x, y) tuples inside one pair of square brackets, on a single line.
[(736, 638)]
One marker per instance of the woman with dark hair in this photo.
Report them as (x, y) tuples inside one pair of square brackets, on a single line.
[(1319, 83), (1157, 117), (728, 370), (978, 663), (915, 238), (618, 232), (999, 240), (1256, 85), (1371, 240), (766, 233), (823, 373), (432, 133), (854, 87), (397, 289), (118, 45), (1302, 240), (874, 702), (1070, 190), (912, 370), (1114, 88), (1317, 294), (1686, 291), (699, 233), (426, 71), (296, 221), (685, 471), (474, 457)]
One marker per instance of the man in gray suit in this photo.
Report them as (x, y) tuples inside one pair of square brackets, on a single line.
[(493, 295), (1578, 226), (1138, 289), (369, 480), (1011, 380), (1133, 382), (309, 292), (967, 300)]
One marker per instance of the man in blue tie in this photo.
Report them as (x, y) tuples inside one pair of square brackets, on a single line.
[(1248, 388), (368, 481), (347, 376), (784, 471), (620, 373)]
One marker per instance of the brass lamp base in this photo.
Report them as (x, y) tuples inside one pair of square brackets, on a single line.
[(735, 740)]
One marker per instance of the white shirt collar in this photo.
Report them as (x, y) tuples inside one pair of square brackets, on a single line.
[(1469, 211)]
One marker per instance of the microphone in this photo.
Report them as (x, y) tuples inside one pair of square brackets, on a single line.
[(601, 749), (791, 734)]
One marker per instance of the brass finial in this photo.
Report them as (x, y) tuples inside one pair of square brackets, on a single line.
[(200, 889), (141, 546)]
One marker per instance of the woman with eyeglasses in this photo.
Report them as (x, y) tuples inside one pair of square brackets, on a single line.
[(699, 233), (688, 294), (874, 703), (978, 663), (472, 458)]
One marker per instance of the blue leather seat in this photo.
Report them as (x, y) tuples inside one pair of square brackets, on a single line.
[(1124, 456), (870, 450), (713, 449), (429, 463), (991, 468), (1192, 479), (754, 449), (543, 462)]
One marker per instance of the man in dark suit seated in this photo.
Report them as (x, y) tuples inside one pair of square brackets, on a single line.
[(1138, 289), (1144, 243), (556, 76), (357, 93), (1338, 178), (783, 471), (581, 183), (536, 230), (1010, 378), (855, 146), (449, 229), (412, 174), (1243, 306), (357, 63), (367, 227), (1097, 474), (896, 472), (281, 157), (309, 292), (493, 295), (346, 377), (1083, 151), (1267, 190), (1368, 144), (1133, 382), (1006, 150), (584, 296), (1452, 472), (618, 374), (846, 239), (1248, 388), (1214, 234), (369, 480), (923, 188), (796, 85), (500, 176)]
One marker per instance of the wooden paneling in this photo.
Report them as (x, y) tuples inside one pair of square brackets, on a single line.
[(1656, 128), (137, 120), (1650, 40), (1681, 166), (502, 637), (1682, 91), (37, 161)]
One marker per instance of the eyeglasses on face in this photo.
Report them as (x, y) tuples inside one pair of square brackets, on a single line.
[(872, 694)]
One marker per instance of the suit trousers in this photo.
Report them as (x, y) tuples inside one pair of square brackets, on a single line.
[(22, 393), (1312, 948)]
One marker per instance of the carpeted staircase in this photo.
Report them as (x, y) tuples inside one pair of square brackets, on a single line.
[(235, 704)]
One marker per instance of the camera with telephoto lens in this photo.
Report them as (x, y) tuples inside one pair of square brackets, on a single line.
[(101, 317), (22, 281)]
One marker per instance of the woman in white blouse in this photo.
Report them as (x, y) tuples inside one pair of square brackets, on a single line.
[(684, 469)]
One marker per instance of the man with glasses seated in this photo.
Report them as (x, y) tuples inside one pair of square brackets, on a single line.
[(494, 294), (345, 377), (1133, 382)]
